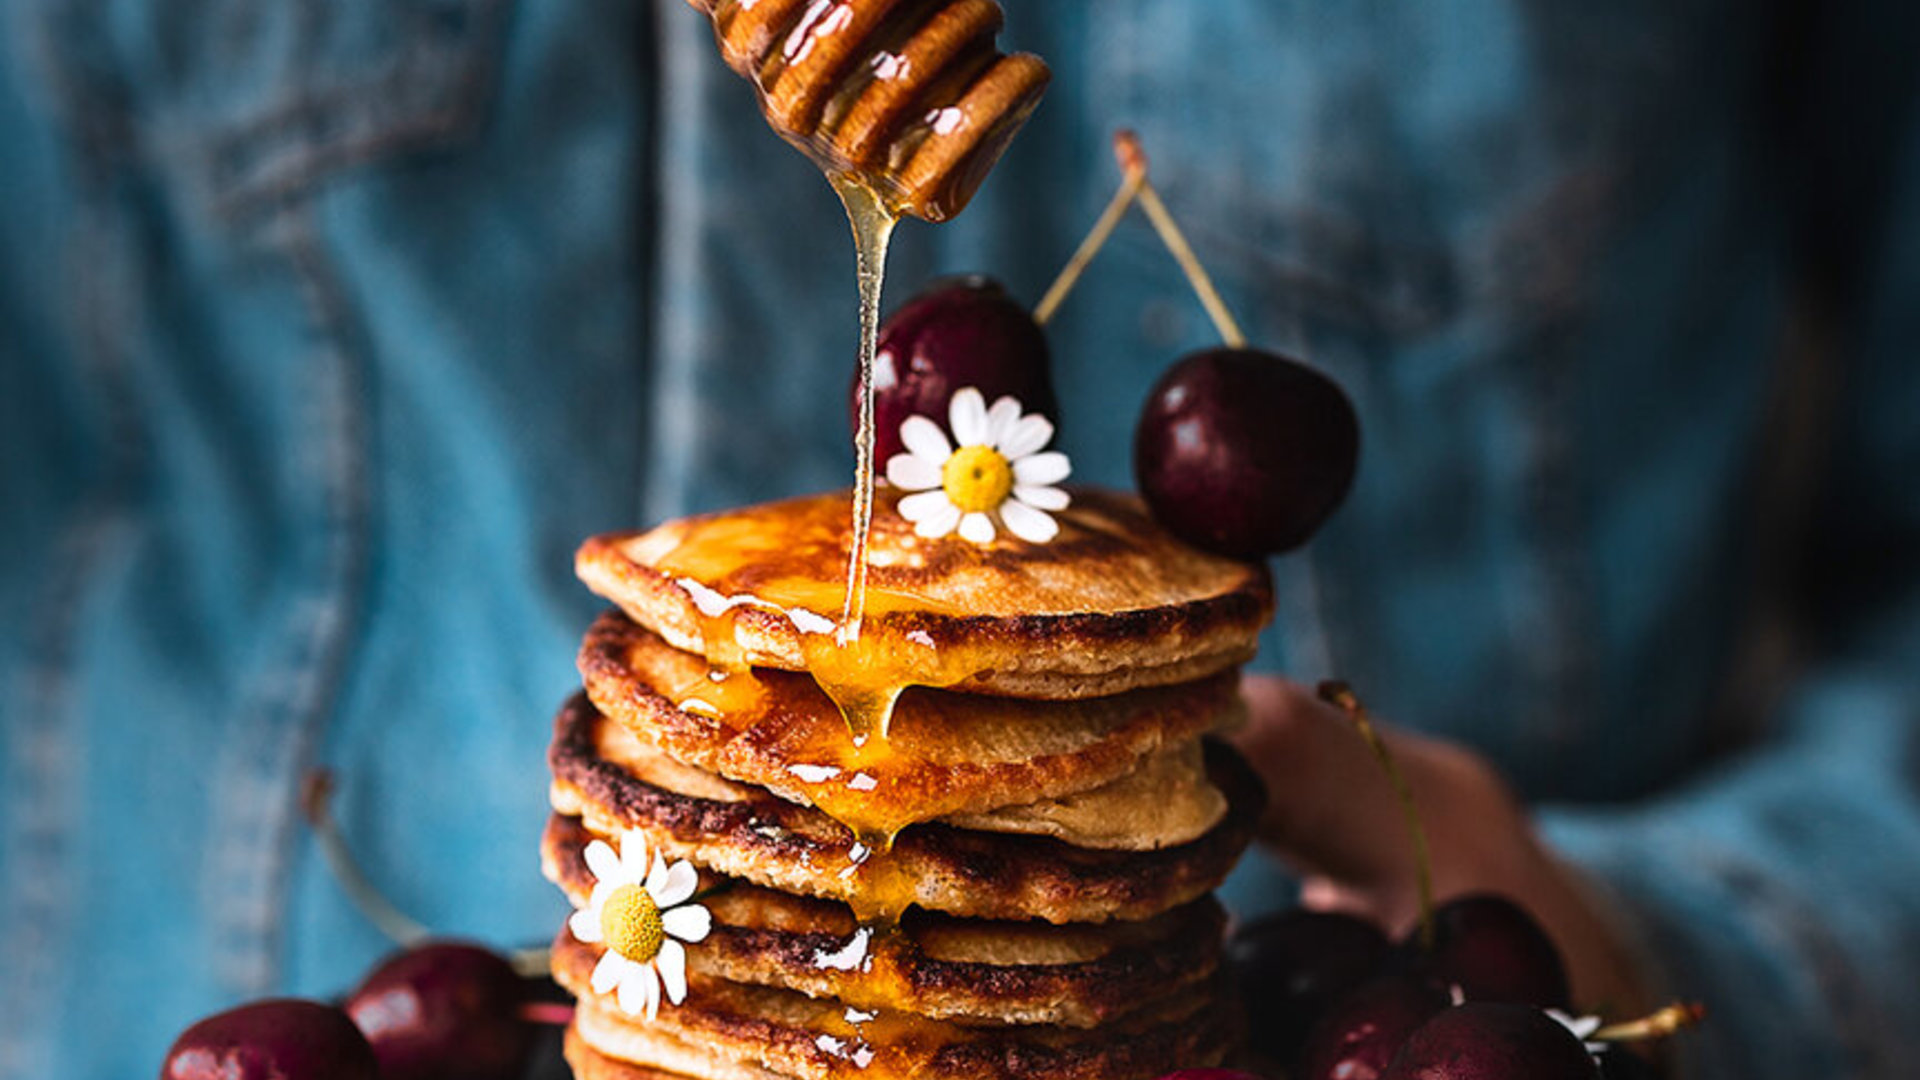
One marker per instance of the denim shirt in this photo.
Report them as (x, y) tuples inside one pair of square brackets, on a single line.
[(327, 329)]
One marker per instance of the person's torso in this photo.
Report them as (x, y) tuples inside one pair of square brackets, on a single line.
[(335, 326)]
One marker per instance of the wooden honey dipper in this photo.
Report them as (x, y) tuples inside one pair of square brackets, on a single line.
[(909, 97)]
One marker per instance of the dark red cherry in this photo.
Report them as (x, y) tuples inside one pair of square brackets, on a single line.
[(1291, 966), (956, 333), (279, 1039), (1493, 1041), (1493, 950), (442, 1011), (1244, 452), (1361, 1033)]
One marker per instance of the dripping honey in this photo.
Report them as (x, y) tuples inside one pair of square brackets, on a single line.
[(837, 106)]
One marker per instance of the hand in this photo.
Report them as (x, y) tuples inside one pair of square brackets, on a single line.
[(1333, 815)]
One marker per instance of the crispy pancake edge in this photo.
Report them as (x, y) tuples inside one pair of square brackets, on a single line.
[(1164, 716), (798, 849), (1130, 977), (1204, 1029), (1053, 656)]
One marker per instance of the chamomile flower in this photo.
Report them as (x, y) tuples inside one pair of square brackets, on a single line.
[(639, 910), (1582, 1028), (995, 473)]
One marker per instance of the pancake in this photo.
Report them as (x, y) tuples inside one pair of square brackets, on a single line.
[(945, 753), (1166, 800), (772, 842), (1113, 603), (725, 1029), (937, 966)]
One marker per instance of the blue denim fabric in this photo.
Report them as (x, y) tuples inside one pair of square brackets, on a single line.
[(328, 328)]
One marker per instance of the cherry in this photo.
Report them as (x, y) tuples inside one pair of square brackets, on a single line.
[(1493, 950), (1291, 966), (278, 1039), (444, 1010), (1493, 1041), (1244, 452), (1362, 1032), (957, 333)]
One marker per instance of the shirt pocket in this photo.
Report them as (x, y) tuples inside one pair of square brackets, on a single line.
[(244, 107)]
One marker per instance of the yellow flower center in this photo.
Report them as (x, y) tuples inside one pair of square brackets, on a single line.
[(977, 479), (630, 922)]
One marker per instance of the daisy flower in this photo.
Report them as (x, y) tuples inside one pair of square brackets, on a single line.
[(994, 470), (640, 911), (1582, 1027)]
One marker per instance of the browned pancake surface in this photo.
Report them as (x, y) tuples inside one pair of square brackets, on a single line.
[(945, 754), (937, 966), (1114, 602), (726, 1029), (772, 842)]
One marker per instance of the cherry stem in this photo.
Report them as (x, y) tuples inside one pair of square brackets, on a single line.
[(1133, 178), (1126, 146), (1655, 1025), (316, 805), (552, 1013), (1340, 695)]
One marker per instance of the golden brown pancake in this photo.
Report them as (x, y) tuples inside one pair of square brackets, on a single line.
[(722, 1027), (772, 842), (938, 966), (1113, 603), (1165, 801), (946, 753)]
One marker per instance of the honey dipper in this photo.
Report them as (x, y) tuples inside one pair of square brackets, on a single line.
[(910, 97)]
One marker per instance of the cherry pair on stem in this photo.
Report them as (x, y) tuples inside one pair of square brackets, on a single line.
[(436, 1010), (1238, 450)]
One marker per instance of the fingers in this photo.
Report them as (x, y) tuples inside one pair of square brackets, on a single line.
[(1332, 813), (1330, 810)]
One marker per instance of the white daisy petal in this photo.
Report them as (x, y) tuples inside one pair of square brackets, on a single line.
[(1028, 436), (679, 884), (603, 861), (912, 472), (940, 522), (689, 923), (585, 925), (922, 505), (1001, 418), (632, 997), (633, 857), (1580, 1026), (977, 528), (656, 877), (924, 439), (1043, 498), (1023, 521), (967, 416), (652, 984), (1035, 470), (601, 890), (672, 963), (609, 971)]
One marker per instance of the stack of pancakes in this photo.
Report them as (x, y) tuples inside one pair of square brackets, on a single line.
[(1009, 875)]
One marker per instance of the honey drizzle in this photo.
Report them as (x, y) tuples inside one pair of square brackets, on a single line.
[(879, 1042), (862, 672), (872, 222)]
